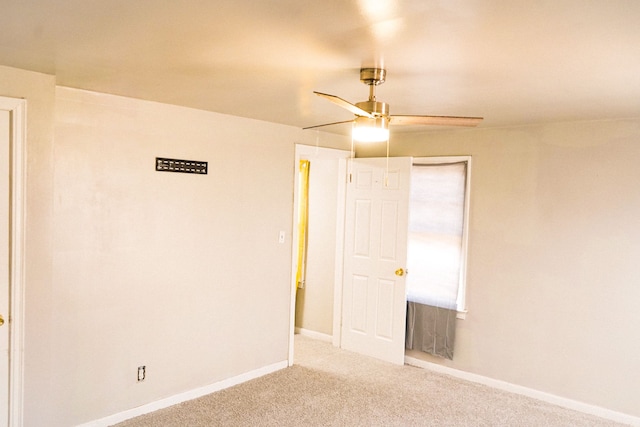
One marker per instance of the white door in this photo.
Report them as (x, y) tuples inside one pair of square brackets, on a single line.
[(4, 266), (376, 223)]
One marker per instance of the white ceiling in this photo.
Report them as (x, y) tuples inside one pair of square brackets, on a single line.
[(511, 61)]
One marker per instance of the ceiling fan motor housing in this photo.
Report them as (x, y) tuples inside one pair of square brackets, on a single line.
[(374, 107)]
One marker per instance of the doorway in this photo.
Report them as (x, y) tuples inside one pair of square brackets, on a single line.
[(12, 159), (317, 288)]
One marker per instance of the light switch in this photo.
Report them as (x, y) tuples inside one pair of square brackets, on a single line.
[(281, 237)]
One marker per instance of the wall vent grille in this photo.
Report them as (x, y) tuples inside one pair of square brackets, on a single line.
[(185, 166)]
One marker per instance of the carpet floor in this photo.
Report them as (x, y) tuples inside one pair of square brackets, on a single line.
[(332, 387)]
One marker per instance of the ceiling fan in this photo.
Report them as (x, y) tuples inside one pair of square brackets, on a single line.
[(372, 120)]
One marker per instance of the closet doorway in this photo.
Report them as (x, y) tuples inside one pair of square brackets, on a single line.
[(317, 260)]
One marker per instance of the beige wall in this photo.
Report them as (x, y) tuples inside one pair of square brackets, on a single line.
[(178, 272), (554, 246)]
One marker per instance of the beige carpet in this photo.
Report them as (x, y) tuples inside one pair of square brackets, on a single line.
[(332, 387)]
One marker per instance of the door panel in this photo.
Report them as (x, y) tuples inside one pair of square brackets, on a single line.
[(362, 228), (389, 230), (385, 310), (359, 306), (376, 220)]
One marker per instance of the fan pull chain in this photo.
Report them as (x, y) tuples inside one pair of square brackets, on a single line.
[(350, 160), (386, 173)]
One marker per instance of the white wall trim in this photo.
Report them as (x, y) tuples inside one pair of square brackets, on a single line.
[(529, 392), (18, 110), (183, 397), (313, 334)]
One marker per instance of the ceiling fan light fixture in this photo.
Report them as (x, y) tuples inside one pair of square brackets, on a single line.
[(374, 129)]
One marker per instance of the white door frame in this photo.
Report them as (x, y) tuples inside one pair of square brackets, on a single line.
[(18, 111), (303, 151)]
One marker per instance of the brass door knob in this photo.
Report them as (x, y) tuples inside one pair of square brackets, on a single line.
[(1, 320), (399, 272)]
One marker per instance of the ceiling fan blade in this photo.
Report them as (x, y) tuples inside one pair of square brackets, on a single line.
[(345, 104), (327, 124), (435, 120)]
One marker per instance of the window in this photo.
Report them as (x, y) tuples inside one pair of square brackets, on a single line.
[(438, 216)]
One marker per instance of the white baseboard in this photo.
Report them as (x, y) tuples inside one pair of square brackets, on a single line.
[(183, 397), (529, 392), (313, 334)]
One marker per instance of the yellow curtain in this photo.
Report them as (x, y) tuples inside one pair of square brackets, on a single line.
[(303, 220)]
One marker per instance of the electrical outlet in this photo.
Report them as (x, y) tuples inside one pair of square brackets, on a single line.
[(142, 373)]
